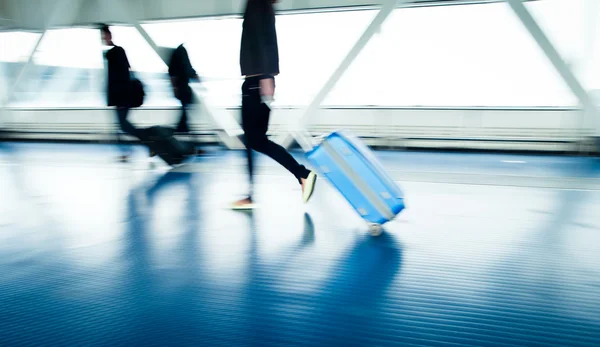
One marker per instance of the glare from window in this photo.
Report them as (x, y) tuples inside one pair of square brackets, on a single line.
[(16, 46), (446, 56), (74, 47), (469, 55), (572, 26), (213, 48), (310, 47), (141, 56)]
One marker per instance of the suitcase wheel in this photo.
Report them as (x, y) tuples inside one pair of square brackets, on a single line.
[(375, 229)]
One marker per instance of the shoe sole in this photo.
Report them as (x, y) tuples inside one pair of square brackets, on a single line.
[(243, 208)]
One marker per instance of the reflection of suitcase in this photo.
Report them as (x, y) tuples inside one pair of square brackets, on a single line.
[(351, 167), (161, 140)]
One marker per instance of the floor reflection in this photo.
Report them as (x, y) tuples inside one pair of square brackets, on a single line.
[(123, 256)]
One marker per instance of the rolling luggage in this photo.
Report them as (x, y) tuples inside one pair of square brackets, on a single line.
[(161, 140), (352, 168)]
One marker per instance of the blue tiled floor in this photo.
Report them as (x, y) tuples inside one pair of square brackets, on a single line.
[(98, 253)]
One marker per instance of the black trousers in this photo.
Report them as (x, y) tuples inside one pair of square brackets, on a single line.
[(124, 123), (255, 123), (183, 126), (185, 95), (126, 126)]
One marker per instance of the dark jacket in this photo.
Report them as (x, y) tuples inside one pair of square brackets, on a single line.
[(180, 68), (259, 51), (118, 81)]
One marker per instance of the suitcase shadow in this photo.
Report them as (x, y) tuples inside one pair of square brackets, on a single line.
[(369, 265), (351, 295), (366, 270), (356, 290)]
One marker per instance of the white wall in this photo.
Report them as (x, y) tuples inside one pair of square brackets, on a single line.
[(411, 86), (469, 128)]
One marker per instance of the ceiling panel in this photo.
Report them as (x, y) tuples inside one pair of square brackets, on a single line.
[(33, 14)]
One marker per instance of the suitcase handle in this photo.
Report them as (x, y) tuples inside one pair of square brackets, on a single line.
[(304, 139)]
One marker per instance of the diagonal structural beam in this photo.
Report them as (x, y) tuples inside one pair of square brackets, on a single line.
[(591, 114), (386, 9), (23, 71), (65, 11), (231, 128)]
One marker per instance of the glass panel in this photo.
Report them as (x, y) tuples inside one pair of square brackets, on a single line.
[(467, 55), (15, 48), (310, 47), (146, 65), (213, 48), (65, 71), (573, 28)]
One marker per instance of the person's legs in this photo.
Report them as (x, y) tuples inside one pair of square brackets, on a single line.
[(182, 126), (124, 123), (249, 134), (127, 128), (255, 123), (263, 145)]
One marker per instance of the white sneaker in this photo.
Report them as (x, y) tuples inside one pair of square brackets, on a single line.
[(243, 205), (308, 187)]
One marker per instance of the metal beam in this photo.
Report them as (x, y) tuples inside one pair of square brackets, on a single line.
[(24, 69), (231, 129), (590, 114), (296, 129), (66, 10)]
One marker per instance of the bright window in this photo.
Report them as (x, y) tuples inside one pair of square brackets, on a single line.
[(146, 64), (463, 55), (310, 47), (66, 71), (73, 48), (213, 48), (466, 55), (16, 46), (572, 26), (141, 56)]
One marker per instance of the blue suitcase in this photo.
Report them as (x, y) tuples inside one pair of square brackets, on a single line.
[(351, 167)]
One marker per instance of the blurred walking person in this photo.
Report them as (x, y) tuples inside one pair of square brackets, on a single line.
[(118, 86), (259, 62), (181, 73)]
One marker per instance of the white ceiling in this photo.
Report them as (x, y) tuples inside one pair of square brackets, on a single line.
[(37, 14)]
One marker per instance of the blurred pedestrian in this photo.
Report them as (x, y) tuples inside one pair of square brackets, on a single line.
[(259, 62)]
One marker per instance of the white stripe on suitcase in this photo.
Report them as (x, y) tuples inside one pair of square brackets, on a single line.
[(359, 183)]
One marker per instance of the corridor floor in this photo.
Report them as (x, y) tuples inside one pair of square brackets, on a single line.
[(492, 250)]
